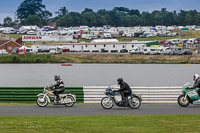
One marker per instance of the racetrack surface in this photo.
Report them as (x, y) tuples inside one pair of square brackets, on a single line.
[(87, 109)]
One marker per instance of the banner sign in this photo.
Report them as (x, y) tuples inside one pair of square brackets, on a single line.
[(35, 38)]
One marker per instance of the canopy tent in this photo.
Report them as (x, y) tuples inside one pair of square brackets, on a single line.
[(22, 50), (184, 28), (84, 31)]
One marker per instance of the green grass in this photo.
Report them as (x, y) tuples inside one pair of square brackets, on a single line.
[(16, 36), (101, 124), (37, 58), (83, 40), (154, 38)]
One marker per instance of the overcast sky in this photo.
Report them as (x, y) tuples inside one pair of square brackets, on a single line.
[(9, 7)]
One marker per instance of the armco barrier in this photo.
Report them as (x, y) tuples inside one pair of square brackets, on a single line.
[(94, 94), (26, 94)]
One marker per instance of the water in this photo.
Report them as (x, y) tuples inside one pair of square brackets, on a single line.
[(97, 74)]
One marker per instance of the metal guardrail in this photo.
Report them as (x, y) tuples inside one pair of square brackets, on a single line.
[(94, 94)]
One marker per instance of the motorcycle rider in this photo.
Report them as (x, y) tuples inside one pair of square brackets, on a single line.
[(196, 79), (124, 89), (59, 87)]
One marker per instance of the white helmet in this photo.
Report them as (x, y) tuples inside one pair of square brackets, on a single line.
[(196, 77)]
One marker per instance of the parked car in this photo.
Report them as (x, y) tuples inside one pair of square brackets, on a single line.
[(14, 51), (31, 32), (186, 52)]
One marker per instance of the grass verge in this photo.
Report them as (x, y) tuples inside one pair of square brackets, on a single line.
[(37, 58), (100, 58), (101, 124)]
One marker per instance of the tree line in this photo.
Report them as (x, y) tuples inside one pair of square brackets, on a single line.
[(33, 12)]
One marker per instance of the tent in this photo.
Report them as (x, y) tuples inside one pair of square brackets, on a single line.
[(184, 28), (87, 31), (82, 31), (22, 50)]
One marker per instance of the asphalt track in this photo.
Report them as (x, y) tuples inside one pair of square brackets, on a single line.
[(88, 110)]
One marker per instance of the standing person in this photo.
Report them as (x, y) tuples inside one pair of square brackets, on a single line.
[(124, 88), (59, 87)]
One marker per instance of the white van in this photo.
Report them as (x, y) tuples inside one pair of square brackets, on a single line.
[(150, 50), (135, 51), (56, 50)]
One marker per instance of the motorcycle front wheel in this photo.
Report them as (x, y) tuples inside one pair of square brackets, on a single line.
[(182, 101), (107, 103), (134, 102), (70, 101), (41, 102)]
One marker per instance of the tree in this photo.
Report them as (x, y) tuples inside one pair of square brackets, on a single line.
[(34, 20), (146, 19), (134, 12), (32, 7), (7, 22), (76, 18), (122, 9), (197, 21), (62, 11), (87, 10), (190, 17), (134, 20), (64, 21), (88, 18)]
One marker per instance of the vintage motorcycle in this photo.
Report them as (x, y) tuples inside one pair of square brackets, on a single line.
[(48, 96), (188, 96), (113, 97)]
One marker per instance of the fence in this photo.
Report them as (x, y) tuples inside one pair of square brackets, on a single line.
[(91, 94), (94, 94), (29, 94)]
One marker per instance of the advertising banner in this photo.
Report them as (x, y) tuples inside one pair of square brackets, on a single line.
[(35, 38)]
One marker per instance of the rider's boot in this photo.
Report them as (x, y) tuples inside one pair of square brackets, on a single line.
[(198, 91), (58, 99)]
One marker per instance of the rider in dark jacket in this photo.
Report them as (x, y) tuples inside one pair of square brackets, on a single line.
[(59, 86), (196, 79), (124, 88)]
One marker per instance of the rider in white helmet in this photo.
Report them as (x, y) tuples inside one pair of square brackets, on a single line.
[(196, 79)]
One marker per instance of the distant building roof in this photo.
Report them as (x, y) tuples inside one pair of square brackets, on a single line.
[(2, 42)]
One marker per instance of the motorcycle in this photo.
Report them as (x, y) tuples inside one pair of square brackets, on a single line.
[(113, 97), (189, 96), (43, 99)]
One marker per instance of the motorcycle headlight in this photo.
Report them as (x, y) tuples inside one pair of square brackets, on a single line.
[(107, 92), (183, 91)]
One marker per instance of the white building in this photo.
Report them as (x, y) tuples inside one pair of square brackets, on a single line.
[(105, 46)]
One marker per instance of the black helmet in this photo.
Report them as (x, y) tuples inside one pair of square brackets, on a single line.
[(56, 77), (119, 80)]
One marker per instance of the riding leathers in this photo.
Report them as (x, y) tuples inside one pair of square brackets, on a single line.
[(196, 84), (59, 88), (124, 90)]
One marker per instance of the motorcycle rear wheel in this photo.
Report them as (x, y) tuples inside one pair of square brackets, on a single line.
[(42, 104), (71, 100), (134, 102), (106, 103), (182, 101)]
